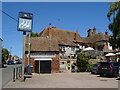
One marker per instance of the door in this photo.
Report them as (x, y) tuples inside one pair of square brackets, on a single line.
[(45, 66), (37, 66)]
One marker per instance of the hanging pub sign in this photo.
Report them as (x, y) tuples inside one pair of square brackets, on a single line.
[(25, 21)]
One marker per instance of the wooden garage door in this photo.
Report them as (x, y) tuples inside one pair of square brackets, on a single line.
[(36, 66), (45, 66)]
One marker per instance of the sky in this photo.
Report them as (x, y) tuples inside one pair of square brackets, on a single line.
[(63, 15)]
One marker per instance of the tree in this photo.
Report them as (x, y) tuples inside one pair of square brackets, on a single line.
[(5, 55), (82, 61), (114, 16), (34, 34)]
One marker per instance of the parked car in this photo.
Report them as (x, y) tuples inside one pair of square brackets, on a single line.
[(109, 68), (119, 71), (94, 69), (11, 62), (18, 61)]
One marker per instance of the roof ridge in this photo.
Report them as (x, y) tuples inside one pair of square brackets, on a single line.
[(64, 30)]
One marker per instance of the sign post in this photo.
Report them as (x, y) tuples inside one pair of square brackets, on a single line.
[(25, 24)]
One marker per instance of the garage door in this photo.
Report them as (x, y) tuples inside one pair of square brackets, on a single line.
[(36, 66), (45, 66)]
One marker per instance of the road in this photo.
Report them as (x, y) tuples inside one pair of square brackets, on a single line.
[(65, 80)]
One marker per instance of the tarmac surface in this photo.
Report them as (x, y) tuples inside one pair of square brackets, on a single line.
[(65, 80)]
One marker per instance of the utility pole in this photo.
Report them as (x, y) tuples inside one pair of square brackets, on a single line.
[(29, 46), (10, 53), (23, 56)]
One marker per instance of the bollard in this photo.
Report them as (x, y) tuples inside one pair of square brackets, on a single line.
[(14, 75), (19, 71), (16, 72)]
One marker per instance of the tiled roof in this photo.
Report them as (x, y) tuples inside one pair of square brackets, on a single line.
[(51, 38), (63, 37), (42, 44), (95, 38)]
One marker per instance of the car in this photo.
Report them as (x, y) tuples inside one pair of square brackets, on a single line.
[(119, 71), (94, 69), (109, 68), (18, 61), (11, 62)]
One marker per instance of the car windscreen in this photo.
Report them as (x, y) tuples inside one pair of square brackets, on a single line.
[(116, 64), (105, 64)]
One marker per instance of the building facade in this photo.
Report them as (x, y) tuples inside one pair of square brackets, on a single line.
[(44, 55), (70, 43), (59, 47)]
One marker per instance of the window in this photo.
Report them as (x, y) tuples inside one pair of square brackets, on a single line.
[(72, 48), (62, 63), (63, 48)]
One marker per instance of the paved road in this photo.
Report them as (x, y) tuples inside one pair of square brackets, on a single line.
[(65, 80)]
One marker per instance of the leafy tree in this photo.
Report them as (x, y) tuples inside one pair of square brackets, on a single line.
[(114, 16), (5, 55), (82, 61), (34, 34)]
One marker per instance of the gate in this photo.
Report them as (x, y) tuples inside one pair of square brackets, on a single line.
[(42, 66), (45, 66), (37, 66)]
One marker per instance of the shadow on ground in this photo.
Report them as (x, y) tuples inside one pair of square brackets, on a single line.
[(25, 77)]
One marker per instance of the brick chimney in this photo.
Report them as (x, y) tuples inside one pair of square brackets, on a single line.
[(75, 37), (49, 33), (94, 31), (106, 32), (89, 32)]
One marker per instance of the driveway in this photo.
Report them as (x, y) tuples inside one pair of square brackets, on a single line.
[(65, 80)]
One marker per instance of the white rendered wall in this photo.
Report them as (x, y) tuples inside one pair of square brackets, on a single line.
[(109, 47), (43, 55), (68, 50)]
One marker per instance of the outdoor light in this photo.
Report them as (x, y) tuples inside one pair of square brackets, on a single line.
[(25, 21)]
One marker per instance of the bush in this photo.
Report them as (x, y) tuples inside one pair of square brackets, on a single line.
[(89, 67), (82, 61)]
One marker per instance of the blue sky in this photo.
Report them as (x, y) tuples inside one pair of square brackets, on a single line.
[(68, 16)]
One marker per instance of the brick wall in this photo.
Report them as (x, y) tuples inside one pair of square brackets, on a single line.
[(55, 64), (31, 61)]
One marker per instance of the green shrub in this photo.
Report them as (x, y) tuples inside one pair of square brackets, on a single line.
[(89, 67), (82, 61)]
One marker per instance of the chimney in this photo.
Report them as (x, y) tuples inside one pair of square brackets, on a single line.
[(94, 31), (49, 32), (106, 32), (53, 27), (89, 32), (50, 25), (75, 37)]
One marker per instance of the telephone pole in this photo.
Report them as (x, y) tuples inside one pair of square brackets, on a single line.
[(29, 46), (10, 54)]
